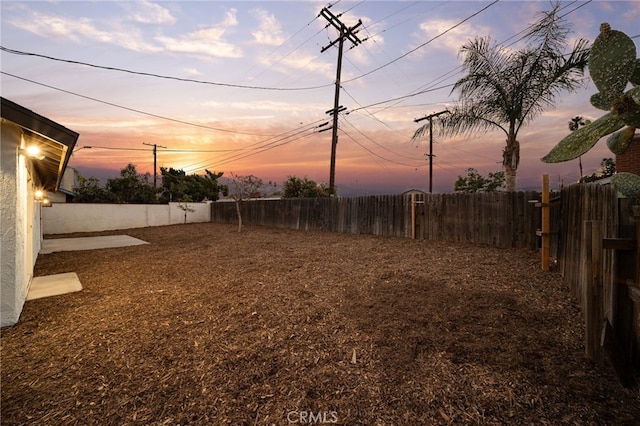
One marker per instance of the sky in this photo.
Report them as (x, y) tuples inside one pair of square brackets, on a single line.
[(244, 87)]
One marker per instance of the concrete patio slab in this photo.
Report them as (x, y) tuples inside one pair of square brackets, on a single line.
[(53, 285), (88, 243)]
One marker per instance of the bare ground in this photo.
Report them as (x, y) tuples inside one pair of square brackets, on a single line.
[(208, 326)]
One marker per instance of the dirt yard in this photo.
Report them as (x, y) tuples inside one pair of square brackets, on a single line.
[(208, 326)]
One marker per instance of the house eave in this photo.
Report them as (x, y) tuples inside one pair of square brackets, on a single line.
[(56, 141)]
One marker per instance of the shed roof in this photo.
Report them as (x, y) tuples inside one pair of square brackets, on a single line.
[(55, 141)]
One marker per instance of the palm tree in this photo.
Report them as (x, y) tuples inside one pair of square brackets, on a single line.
[(574, 124), (507, 89)]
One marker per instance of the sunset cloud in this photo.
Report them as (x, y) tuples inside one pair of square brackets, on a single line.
[(146, 12), (269, 30), (208, 41)]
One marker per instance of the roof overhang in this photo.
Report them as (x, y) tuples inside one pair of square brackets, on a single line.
[(55, 141)]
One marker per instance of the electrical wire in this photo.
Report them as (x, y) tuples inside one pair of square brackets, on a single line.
[(251, 154), (175, 151), (24, 53), (378, 155), (370, 115), (404, 97), (265, 145), (423, 44), (458, 69), (291, 52), (133, 109), (378, 144), (147, 74)]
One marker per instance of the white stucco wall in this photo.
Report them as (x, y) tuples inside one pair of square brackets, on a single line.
[(19, 225), (66, 218)]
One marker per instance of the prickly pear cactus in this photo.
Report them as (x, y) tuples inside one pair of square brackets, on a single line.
[(612, 62), (628, 184), (612, 65)]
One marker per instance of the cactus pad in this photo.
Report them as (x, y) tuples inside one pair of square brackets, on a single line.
[(627, 183), (599, 102), (612, 65), (611, 62), (635, 95), (635, 77), (583, 139), (619, 141)]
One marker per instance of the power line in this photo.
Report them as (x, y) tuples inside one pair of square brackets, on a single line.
[(423, 44), (251, 154), (133, 109), (413, 50), (377, 143), (175, 151), (282, 44), (259, 144), (375, 156), (281, 140), (208, 163), (403, 97), (18, 52), (147, 74), (368, 113), (459, 67)]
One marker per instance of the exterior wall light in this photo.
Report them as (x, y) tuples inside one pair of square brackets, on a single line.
[(40, 197), (33, 151)]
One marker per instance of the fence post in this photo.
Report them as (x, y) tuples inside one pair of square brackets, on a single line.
[(592, 290), (413, 216), (546, 224)]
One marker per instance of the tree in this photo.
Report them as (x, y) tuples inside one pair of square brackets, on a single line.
[(475, 182), (294, 187), (186, 208), (506, 89), (243, 188), (607, 169), (132, 187), (574, 124), (178, 186), (88, 190)]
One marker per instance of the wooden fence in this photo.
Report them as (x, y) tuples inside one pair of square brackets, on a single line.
[(498, 219), (377, 215), (595, 240), (580, 203)]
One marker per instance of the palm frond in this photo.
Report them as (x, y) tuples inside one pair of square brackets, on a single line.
[(506, 89)]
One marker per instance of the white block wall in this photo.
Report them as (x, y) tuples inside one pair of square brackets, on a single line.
[(66, 218)]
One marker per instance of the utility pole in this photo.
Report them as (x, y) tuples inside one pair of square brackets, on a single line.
[(155, 150), (345, 32), (430, 154)]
